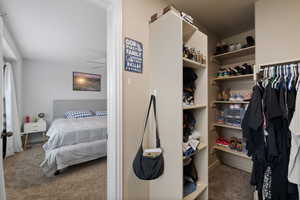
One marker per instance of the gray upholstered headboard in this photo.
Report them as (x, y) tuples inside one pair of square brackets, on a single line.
[(62, 106)]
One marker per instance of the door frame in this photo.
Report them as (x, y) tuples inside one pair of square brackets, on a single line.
[(2, 183), (114, 98)]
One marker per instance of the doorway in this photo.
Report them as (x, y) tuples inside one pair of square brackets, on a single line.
[(113, 56)]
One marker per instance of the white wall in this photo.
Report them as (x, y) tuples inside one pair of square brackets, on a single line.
[(239, 38), (44, 82)]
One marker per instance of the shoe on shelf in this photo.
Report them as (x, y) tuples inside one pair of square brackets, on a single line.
[(239, 97), (239, 145), (222, 142), (233, 143), (238, 46), (247, 96), (232, 47), (233, 97), (233, 71), (226, 73), (248, 68), (239, 70), (226, 94)]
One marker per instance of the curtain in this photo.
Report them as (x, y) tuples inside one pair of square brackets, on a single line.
[(14, 143)]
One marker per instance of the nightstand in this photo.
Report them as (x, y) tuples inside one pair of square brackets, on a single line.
[(34, 127)]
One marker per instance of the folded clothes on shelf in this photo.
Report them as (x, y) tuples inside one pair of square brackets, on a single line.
[(188, 188), (195, 135), (189, 78), (189, 122), (190, 147)]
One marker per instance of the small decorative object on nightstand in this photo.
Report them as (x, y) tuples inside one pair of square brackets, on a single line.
[(34, 127)]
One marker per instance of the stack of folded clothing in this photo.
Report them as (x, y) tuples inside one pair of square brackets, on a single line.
[(188, 124), (190, 178), (189, 147), (187, 18), (189, 78)]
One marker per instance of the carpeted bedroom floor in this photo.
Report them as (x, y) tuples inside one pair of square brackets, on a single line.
[(226, 183), (25, 180)]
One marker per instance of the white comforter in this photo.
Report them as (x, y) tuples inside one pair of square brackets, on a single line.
[(64, 132)]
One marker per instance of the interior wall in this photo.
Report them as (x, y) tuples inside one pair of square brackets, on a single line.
[(136, 16), (239, 38), (277, 31), (44, 82)]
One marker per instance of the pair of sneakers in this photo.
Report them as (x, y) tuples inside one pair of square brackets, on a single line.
[(236, 144), (222, 142)]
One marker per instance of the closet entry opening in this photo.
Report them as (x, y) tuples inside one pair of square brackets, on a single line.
[(216, 68)]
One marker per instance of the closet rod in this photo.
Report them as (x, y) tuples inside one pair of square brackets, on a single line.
[(278, 64)]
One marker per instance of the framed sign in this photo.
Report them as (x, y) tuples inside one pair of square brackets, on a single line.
[(133, 56), (86, 82)]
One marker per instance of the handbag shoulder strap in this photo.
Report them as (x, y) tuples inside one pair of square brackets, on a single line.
[(152, 101)]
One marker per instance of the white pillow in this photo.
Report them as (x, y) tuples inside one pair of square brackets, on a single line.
[(78, 114)]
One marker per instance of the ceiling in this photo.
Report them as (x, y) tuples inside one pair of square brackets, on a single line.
[(57, 30), (222, 17)]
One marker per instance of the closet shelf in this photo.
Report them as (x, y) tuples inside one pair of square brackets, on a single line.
[(231, 102), (200, 147), (227, 126), (201, 187), (194, 107), (247, 76), (227, 150), (234, 54), (187, 30), (192, 64)]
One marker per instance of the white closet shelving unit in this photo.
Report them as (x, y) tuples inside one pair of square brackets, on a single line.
[(225, 155), (168, 34)]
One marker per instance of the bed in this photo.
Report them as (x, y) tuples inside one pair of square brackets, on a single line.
[(74, 141)]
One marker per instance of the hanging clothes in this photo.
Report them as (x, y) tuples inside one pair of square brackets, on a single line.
[(294, 164), (268, 138), (14, 143)]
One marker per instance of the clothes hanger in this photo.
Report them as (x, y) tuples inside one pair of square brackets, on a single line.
[(290, 76), (280, 78), (298, 82), (296, 75)]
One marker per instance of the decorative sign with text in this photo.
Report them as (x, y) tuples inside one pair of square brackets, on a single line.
[(133, 56)]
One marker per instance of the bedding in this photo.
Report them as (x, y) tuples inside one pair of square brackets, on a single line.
[(74, 131), (74, 141), (66, 156)]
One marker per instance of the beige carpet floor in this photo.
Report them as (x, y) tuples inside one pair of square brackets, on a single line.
[(25, 180), (226, 183)]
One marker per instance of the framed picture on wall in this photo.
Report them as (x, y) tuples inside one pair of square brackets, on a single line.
[(86, 82)]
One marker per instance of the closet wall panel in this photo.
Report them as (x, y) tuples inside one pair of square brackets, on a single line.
[(277, 31), (136, 15), (166, 79)]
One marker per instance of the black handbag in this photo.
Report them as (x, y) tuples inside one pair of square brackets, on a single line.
[(149, 168)]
